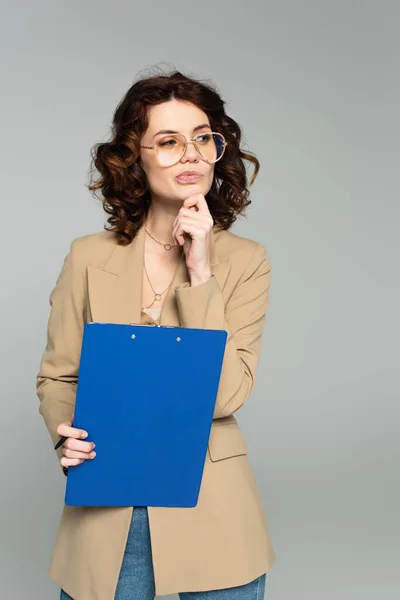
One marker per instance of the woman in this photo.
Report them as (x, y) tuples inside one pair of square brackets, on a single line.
[(173, 181)]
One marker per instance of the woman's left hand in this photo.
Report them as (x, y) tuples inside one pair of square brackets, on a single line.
[(194, 220)]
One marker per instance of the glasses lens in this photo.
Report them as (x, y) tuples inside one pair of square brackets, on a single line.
[(211, 146), (170, 149)]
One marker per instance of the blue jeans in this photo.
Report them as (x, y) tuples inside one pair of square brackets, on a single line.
[(136, 579)]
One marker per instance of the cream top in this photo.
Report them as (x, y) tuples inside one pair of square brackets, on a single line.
[(154, 312)]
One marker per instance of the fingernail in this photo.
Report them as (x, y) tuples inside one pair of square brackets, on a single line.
[(92, 454), (84, 434), (94, 446)]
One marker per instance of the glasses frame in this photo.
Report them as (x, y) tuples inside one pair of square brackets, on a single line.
[(191, 141)]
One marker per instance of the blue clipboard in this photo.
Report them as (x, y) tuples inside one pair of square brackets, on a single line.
[(146, 396)]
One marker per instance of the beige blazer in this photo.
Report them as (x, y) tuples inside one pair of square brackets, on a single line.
[(223, 541)]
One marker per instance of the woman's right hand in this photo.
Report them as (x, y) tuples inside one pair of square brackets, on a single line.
[(74, 449)]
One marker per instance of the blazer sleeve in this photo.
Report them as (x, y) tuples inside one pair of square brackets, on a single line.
[(243, 318), (57, 378)]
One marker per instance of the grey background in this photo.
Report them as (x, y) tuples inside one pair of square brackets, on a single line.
[(315, 86)]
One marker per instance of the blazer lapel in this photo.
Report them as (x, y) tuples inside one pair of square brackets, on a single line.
[(115, 290)]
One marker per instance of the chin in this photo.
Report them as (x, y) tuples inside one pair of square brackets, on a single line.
[(188, 189)]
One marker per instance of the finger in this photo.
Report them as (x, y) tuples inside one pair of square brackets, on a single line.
[(198, 201), (79, 446), (70, 462), (180, 239), (191, 222), (184, 233), (81, 455), (186, 205), (179, 233), (65, 429), (197, 216), (194, 229), (194, 214)]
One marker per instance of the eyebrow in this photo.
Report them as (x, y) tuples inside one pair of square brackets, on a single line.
[(172, 131)]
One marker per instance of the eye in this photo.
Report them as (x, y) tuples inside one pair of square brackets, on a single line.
[(169, 142), (204, 138)]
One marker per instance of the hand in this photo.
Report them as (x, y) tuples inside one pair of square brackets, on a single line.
[(192, 228), (75, 451)]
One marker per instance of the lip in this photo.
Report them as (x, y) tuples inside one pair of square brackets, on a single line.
[(189, 176)]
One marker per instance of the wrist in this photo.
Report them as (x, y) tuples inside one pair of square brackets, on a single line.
[(199, 278)]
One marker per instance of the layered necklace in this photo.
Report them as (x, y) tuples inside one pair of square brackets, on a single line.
[(158, 295), (166, 246)]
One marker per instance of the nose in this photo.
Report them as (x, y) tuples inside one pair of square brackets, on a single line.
[(191, 153)]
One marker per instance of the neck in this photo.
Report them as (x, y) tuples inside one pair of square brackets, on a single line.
[(159, 221)]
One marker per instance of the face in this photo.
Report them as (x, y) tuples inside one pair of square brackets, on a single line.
[(188, 119)]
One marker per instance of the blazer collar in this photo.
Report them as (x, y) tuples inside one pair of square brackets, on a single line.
[(115, 290)]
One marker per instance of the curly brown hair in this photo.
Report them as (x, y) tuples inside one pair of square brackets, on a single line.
[(124, 190)]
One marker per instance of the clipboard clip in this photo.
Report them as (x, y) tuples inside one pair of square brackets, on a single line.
[(154, 325), (133, 336), (136, 324)]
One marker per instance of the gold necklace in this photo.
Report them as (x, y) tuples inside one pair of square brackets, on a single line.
[(166, 246), (156, 295)]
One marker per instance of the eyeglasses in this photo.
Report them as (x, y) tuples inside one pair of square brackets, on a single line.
[(170, 148)]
